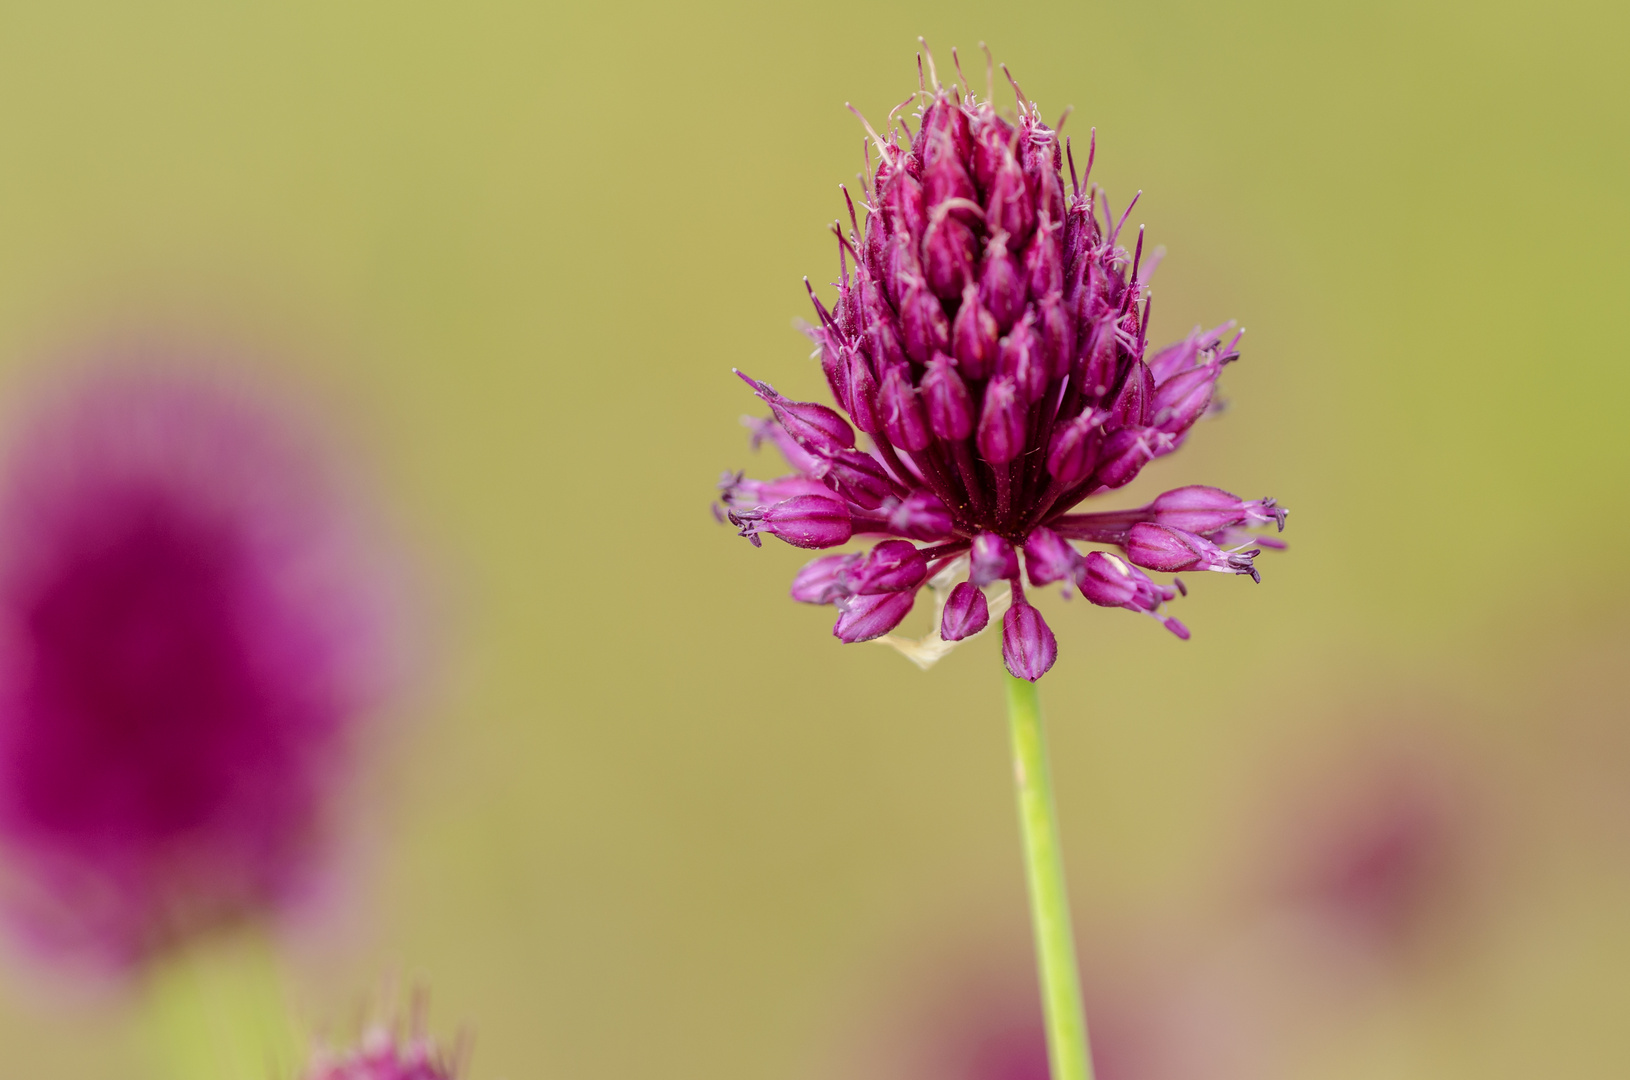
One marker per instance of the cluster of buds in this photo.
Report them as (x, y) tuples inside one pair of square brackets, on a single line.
[(989, 338)]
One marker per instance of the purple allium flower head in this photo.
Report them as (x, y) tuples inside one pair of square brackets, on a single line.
[(188, 631), (989, 338)]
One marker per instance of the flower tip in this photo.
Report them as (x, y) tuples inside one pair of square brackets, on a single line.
[(1176, 627)]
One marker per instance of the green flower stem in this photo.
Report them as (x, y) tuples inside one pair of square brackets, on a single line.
[(216, 1010), (1067, 1052)]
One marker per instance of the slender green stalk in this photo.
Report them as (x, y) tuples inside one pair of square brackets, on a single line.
[(1067, 1053), (216, 1010)]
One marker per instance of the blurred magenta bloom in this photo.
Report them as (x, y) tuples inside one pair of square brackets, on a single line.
[(383, 1057), (990, 339), (1386, 858), (189, 628)]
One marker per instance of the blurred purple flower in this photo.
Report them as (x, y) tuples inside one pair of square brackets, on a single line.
[(189, 627), (384, 1057), (990, 341), (1384, 858)]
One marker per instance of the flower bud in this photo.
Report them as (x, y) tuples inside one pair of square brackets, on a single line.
[(903, 418), (924, 328), (922, 516), (1205, 510), (1174, 359), (1126, 452), (903, 196), (966, 612), (1048, 557), (1001, 285), (862, 390), (1028, 645), (1183, 398), (1178, 358), (1057, 335), (824, 579), (1043, 261), (813, 426), (1102, 363), (1132, 404), (1019, 358), (806, 521), (1041, 160), (1002, 423), (945, 131), (944, 179), (973, 336), (856, 476), (992, 137), (891, 566), (950, 409), (1163, 548), (1075, 448), (863, 618), (1009, 206), (992, 559), (826, 351), (1108, 581), (882, 332), (900, 268), (950, 252)]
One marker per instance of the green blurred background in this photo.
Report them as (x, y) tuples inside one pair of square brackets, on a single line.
[(649, 818)]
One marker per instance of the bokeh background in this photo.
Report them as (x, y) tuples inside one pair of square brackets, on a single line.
[(645, 816)]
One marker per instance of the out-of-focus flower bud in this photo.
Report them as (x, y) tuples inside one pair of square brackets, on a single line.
[(1048, 557), (992, 559), (823, 580), (922, 516)]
